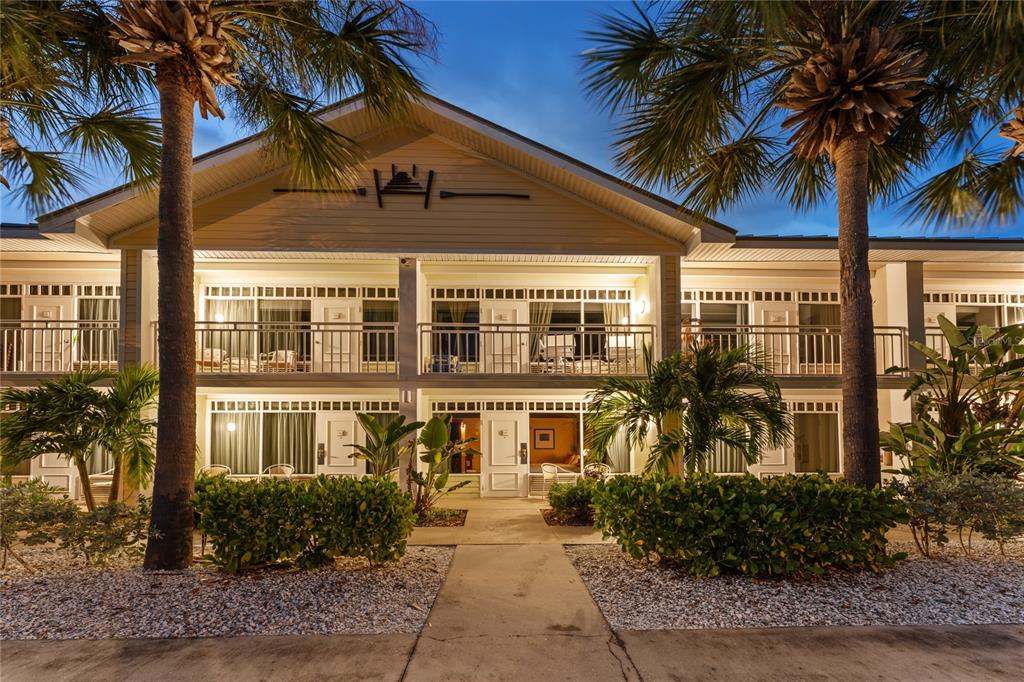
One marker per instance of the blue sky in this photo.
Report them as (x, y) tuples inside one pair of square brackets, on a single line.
[(517, 64)]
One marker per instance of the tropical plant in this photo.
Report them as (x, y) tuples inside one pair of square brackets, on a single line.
[(66, 415), (64, 103), (574, 502), (113, 530), (385, 445), (696, 400), (968, 405), (130, 434), (427, 487), (32, 512), (273, 62), (877, 91)]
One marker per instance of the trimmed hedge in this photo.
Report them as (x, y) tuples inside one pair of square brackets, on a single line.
[(740, 524), (574, 501), (307, 523)]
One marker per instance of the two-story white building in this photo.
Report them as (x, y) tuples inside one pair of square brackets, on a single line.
[(475, 273)]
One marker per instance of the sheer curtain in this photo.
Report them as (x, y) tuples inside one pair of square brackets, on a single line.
[(816, 442), (724, 460), (293, 332), (540, 324), (288, 439), (235, 441), (617, 456), (98, 342), (234, 343), (100, 462)]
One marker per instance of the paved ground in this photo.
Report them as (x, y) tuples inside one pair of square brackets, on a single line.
[(520, 612)]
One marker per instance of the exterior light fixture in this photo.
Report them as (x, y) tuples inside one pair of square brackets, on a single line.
[(231, 427)]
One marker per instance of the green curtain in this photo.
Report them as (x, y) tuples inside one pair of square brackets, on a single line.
[(98, 342), (237, 447), (288, 439)]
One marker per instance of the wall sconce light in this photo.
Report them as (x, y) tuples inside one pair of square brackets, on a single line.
[(231, 426), (407, 396), (642, 306), (219, 317)]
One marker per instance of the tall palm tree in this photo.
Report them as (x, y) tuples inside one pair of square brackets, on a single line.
[(273, 62), (130, 433), (63, 102), (696, 400), (878, 91), (65, 415)]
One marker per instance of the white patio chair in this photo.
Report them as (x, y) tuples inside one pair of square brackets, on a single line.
[(279, 470), (278, 361), (555, 473), (216, 470)]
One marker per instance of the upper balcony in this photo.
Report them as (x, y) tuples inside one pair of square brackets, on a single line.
[(57, 346), (802, 350), (248, 348), (583, 350)]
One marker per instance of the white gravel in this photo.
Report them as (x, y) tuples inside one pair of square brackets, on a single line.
[(350, 598), (948, 590)]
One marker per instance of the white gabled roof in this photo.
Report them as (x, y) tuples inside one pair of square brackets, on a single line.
[(100, 217)]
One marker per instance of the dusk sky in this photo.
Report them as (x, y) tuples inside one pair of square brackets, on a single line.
[(517, 64)]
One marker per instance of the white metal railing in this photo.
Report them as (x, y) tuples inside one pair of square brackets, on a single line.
[(55, 346), (309, 347), (582, 349), (801, 350)]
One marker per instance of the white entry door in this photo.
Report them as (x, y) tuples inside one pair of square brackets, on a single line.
[(506, 337), (505, 464), (47, 345), (56, 470), (335, 434), (777, 338), (336, 342)]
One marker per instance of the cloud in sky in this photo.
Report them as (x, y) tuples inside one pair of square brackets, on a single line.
[(517, 64)]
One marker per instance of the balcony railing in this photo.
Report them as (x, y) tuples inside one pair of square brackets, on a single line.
[(295, 347), (803, 350), (44, 346), (584, 349)]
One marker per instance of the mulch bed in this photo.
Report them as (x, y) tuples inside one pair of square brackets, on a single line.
[(552, 519), (443, 518)]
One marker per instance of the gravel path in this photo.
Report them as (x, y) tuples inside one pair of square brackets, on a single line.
[(350, 598), (949, 590)]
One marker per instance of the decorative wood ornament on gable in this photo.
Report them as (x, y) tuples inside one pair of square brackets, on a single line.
[(403, 183), (406, 184)]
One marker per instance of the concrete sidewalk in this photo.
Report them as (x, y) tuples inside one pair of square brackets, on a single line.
[(503, 521)]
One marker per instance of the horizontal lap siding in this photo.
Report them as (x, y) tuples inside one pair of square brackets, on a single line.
[(256, 217)]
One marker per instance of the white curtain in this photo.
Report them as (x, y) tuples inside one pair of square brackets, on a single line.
[(98, 342), (288, 439), (235, 441), (236, 343), (617, 456), (540, 321), (724, 460)]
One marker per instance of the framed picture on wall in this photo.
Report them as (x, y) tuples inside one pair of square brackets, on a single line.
[(543, 439)]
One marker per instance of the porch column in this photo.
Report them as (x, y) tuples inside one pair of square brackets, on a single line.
[(408, 346), (130, 327), (670, 305), (915, 311)]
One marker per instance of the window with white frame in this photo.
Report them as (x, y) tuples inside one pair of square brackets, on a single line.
[(816, 442), (247, 442)]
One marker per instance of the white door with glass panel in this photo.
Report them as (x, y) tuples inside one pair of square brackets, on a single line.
[(336, 335), (506, 337), (47, 345), (335, 434), (776, 338), (505, 464)]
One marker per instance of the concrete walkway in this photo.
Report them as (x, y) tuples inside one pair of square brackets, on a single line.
[(503, 521)]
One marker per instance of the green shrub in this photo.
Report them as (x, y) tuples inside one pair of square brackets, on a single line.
[(574, 501), (966, 503), (308, 523), (35, 513), (739, 524)]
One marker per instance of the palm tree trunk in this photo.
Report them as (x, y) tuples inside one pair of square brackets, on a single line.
[(115, 480), (170, 546), (860, 385), (83, 477)]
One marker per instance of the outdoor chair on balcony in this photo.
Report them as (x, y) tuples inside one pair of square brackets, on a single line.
[(556, 351), (280, 470), (278, 361), (444, 364)]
